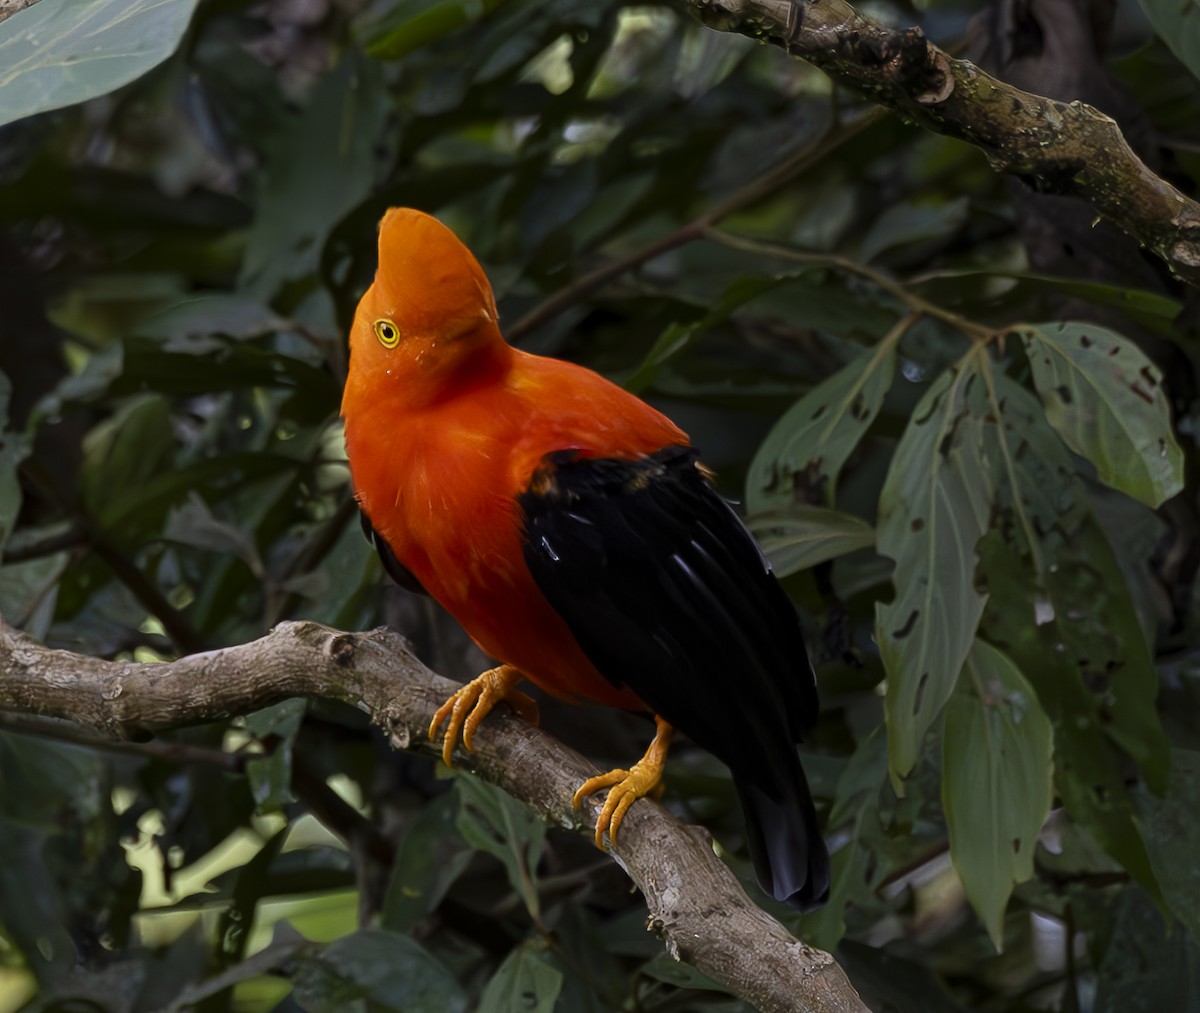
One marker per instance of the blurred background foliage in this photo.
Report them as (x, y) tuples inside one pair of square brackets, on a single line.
[(814, 289)]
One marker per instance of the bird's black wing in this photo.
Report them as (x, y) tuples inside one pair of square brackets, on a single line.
[(667, 593), (395, 569)]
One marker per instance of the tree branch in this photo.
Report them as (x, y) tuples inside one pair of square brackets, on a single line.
[(696, 904), (1057, 147)]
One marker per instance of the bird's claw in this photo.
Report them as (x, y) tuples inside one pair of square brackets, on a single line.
[(473, 702), (625, 788)]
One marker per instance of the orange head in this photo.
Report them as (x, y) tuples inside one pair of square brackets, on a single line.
[(427, 320)]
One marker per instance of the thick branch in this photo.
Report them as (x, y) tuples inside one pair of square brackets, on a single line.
[(1056, 147), (696, 904)]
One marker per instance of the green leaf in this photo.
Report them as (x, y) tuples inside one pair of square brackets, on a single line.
[(297, 205), (125, 451), (270, 776), (910, 222), (14, 448), (1173, 837), (186, 319), (372, 971), (932, 511), (1089, 772), (411, 24), (495, 822), (678, 336), (1178, 23), (1075, 597), (1106, 400), (525, 983), (803, 536), (1148, 965), (431, 856), (60, 52), (996, 767), (808, 446)]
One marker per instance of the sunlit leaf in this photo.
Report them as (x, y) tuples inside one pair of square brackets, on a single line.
[(59, 52), (996, 766), (1106, 399), (933, 509), (803, 536), (808, 446)]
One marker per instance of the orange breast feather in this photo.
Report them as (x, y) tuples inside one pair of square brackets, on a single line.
[(440, 482)]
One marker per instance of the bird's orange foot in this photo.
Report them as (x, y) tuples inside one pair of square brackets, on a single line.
[(471, 704), (626, 786)]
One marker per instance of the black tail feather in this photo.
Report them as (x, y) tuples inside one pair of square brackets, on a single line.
[(786, 845)]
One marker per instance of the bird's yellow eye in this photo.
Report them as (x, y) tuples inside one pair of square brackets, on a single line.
[(387, 333)]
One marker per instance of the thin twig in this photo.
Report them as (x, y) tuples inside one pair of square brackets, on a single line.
[(755, 190)]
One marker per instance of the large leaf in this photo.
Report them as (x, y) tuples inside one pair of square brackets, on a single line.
[(996, 765), (495, 822), (932, 511), (1106, 399), (808, 446), (526, 981), (803, 536), (430, 857), (59, 52), (1178, 22), (297, 204), (1075, 594), (372, 971), (1089, 771)]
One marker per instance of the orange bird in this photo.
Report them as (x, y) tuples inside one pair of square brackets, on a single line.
[(570, 528)]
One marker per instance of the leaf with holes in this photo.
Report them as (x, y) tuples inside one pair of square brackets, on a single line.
[(1058, 655), (60, 52), (809, 445), (1106, 400), (803, 536), (933, 510), (996, 763)]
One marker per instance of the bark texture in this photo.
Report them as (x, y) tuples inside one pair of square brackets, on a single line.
[(695, 903), (1056, 147)]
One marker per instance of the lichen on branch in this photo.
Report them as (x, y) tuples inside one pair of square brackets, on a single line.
[(1067, 148)]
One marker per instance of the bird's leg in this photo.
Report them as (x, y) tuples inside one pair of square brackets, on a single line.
[(627, 786), (474, 701)]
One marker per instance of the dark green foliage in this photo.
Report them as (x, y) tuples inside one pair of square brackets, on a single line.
[(967, 459)]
